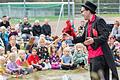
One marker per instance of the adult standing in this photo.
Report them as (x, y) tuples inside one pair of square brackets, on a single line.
[(95, 37)]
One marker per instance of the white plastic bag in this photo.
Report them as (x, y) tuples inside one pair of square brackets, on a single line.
[(65, 77), (3, 77)]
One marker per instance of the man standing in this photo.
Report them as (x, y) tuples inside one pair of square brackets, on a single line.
[(95, 38)]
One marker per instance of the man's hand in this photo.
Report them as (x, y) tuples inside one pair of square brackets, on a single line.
[(89, 41)]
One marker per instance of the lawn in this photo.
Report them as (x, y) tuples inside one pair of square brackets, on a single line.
[(109, 15), (55, 74), (48, 74), (14, 21)]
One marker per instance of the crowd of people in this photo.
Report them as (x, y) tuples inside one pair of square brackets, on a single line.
[(27, 48)]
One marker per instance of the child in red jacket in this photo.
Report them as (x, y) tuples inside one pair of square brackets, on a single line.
[(34, 60)]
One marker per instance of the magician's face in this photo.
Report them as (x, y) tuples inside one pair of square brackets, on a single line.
[(85, 13)]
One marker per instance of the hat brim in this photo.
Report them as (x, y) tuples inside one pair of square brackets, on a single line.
[(88, 8)]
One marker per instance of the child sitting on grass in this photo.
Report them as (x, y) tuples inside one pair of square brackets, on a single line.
[(22, 62), (3, 73), (117, 57), (12, 67), (67, 60), (79, 56), (43, 53), (54, 58), (33, 59)]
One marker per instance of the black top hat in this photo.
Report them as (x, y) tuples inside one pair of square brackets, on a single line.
[(91, 6)]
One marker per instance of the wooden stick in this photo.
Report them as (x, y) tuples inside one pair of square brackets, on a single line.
[(55, 41)]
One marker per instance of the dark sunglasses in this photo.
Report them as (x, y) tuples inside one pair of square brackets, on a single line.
[(82, 11)]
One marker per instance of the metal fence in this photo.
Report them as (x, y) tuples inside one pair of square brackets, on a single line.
[(37, 10), (102, 8), (30, 10)]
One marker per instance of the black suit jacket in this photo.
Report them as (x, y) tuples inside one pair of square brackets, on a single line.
[(101, 40)]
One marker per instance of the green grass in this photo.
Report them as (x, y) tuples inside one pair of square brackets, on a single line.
[(109, 15), (47, 73), (14, 21)]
